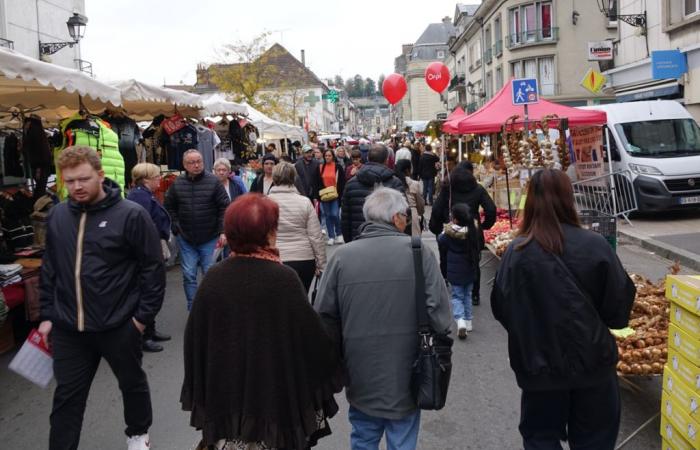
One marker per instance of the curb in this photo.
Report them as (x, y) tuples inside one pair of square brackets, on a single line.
[(671, 252)]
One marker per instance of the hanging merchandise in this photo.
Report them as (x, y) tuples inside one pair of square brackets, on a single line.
[(36, 150), (177, 143), (173, 124), (11, 157), (15, 210), (129, 137), (207, 140), (153, 141), (225, 147), (238, 139)]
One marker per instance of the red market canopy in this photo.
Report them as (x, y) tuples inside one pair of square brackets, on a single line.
[(450, 125), (490, 117)]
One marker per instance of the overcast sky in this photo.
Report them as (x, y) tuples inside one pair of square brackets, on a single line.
[(159, 40)]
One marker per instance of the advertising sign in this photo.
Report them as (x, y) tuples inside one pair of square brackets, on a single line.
[(600, 51), (588, 152), (667, 64)]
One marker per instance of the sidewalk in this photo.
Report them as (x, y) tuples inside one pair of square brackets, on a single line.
[(672, 235)]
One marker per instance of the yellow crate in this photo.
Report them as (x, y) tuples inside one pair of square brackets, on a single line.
[(686, 320), (684, 369), (688, 428), (685, 291), (684, 343), (683, 394), (671, 437)]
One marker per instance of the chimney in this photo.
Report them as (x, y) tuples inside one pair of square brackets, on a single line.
[(303, 58), (446, 20)]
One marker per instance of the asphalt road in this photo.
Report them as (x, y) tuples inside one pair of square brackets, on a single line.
[(482, 410)]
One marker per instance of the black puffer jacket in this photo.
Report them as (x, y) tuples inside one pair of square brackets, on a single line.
[(357, 189), (464, 189), (121, 265), (196, 207)]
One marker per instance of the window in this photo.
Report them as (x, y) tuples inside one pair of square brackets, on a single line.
[(489, 85), (440, 54), (531, 23), (692, 7), (546, 75), (475, 55), (499, 78), (541, 68), (546, 20), (497, 37), (612, 13), (515, 25), (517, 69)]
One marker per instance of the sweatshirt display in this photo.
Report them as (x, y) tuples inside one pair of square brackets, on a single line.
[(207, 140), (177, 143), (129, 137)]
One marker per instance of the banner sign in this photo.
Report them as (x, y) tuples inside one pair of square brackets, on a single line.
[(667, 64), (588, 152), (600, 51)]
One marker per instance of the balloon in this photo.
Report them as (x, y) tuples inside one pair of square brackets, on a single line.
[(437, 75), (394, 88)]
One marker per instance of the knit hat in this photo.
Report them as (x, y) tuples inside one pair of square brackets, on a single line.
[(307, 148)]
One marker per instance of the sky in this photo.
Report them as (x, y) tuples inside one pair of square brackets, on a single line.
[(162, 41)]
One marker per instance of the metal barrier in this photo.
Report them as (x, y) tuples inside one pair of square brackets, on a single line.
[(610, 194)]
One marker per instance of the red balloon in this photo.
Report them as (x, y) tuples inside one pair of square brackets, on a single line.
[(394, 88), (437, 75)]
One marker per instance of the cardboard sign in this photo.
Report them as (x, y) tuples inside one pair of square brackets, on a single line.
[(173, 124), (588, 151)]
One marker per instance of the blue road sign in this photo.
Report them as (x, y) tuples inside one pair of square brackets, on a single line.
[(524, 91)]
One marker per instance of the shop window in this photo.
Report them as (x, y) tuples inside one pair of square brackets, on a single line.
[(692, 7)]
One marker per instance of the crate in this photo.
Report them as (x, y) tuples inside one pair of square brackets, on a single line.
[(600, 223)]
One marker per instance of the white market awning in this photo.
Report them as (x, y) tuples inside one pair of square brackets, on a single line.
[(143, 100), (272, 129), (218, 105)]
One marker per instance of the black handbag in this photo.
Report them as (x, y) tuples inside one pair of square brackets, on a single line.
[(433, 366), (315, 291)]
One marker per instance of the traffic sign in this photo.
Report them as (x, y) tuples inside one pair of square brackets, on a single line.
[(332, 96), (593, 81), (524, 91)]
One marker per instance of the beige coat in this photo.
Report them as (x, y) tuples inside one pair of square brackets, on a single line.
[(417, 204), (299, 236)]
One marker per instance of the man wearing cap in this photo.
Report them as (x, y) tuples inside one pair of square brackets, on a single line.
[(309, 173)]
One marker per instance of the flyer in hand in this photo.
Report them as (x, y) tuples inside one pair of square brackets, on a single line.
[(34, 361)]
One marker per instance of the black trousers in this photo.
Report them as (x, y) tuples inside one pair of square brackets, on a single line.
[(476, 289), (588, 418), (305, 269), (76, 359)]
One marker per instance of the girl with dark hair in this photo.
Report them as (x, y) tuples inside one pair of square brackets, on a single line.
[(414, 195), (332, 177), (558, 291), (460, 246)]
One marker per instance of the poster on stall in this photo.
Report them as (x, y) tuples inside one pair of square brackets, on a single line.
[(588, 152)]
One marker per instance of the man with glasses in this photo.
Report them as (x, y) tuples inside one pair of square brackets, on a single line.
[(196, 202)]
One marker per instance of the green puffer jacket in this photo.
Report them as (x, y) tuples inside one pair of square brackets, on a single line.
[(95, 133)]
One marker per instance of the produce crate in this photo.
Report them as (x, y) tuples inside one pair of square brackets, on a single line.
[(684, 290), (672, 438), (600, 223)]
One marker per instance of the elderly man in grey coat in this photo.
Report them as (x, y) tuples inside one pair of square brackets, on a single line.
[(367, 302)]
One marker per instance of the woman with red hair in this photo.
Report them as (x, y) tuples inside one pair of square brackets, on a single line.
[(260, 371)]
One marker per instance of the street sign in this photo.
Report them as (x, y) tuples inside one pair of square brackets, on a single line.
[(600, 51), (593, 81), (332, 96), (667, 64), (524, 91)]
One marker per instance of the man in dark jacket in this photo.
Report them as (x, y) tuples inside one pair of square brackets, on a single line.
[(428, 169), (309, 174), (102, 282), (372, 174), (464, 188), (196, 202)]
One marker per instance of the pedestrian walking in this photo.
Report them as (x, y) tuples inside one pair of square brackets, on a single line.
[(374, 321), (460, 245), (263, 182), (299, 238), (233, 185), (331, 194), (416, 152), (351, 169), (414, 195), (428, 169), (342, 158), (244, 389), (196, 202), (558, 291), (404, 152), (463, 188), (146, 178), (308, 172), (102, 283), (374, 173)]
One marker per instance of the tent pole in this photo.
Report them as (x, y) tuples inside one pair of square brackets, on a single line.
[(613, 188), (459, 148)]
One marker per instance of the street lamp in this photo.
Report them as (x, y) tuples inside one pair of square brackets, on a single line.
[(76, 28)]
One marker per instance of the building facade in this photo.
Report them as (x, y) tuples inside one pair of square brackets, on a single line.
[(23, 24), (539, 39), (670, 25)]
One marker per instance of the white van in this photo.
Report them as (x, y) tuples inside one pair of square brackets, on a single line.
[(659, 143)]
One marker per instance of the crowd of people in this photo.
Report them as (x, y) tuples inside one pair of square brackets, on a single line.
[(262, 362)]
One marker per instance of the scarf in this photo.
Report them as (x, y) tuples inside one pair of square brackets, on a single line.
[(264, 253)]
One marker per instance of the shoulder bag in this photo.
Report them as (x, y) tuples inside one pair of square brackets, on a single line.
[(433, 366), (329, 193)]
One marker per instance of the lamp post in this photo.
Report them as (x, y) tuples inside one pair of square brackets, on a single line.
[(76, 28)]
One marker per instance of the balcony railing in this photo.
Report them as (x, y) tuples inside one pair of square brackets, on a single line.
[(498, 48), (7, 43), (487, 55), (457, 82), (533, 37)]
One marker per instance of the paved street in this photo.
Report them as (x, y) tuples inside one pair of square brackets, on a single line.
[(482, 410)]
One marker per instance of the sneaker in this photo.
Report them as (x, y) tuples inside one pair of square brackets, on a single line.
[(331, 241), (462, 328), (468, 325), (323, 230), (140, 442), (339, 240)]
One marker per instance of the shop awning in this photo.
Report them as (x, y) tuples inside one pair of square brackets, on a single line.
[(217, 105), (51, 90), (450, 125), (142, 100), (490, 117), (270, 128)]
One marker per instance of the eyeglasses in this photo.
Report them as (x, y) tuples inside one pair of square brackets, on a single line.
[(194, 163)]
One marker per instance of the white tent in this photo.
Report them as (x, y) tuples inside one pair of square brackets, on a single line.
[(49, 90), (217, 105), (143, 101), (273, 129)]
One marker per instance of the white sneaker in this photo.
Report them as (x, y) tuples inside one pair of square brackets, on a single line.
[(138, 442), (331, 241), (462, 328), (323, 230), (468, 325), (339, 240)]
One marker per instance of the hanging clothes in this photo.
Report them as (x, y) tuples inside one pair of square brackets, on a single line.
[(17, 228), (225, 147), (129, 137), (35, 146), (176, 144), (11, 157), (207, 140), (153, 142), (238, 139)]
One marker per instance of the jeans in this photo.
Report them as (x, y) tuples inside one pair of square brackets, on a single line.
[(332, 212), (428, 190), (462, 301), (367, 431), (77, 356), (191, 258)]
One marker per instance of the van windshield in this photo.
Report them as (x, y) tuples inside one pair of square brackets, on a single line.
[(660, 138)]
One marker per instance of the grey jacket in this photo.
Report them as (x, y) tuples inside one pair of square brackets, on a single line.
[(366, 301)]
